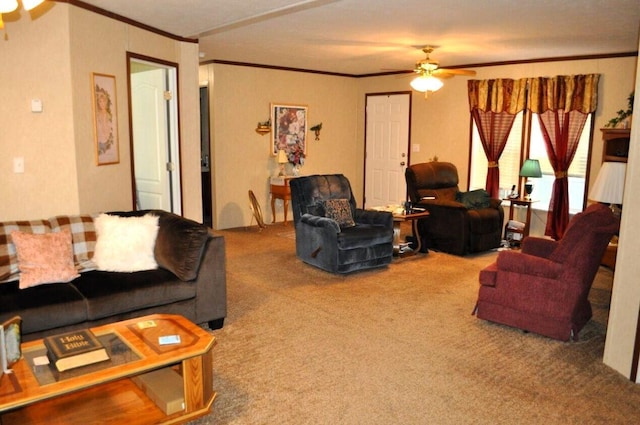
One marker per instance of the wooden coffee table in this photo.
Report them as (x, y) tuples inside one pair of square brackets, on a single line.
[(103, 392)]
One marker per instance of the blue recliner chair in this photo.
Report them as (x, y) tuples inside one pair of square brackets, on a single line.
[(334, 235)]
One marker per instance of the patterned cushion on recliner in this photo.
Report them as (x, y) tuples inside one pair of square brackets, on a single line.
[(340, 211)]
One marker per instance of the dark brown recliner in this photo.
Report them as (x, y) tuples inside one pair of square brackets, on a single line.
[(459, 222)]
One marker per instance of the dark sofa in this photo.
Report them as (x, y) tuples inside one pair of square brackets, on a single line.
[(190, 281)]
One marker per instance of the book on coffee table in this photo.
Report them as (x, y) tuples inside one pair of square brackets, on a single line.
[(74, 349)]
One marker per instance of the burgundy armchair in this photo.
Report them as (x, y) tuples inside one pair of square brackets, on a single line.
[(544, 287)]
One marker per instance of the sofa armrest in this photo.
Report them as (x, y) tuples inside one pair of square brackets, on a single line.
[(211, 283)]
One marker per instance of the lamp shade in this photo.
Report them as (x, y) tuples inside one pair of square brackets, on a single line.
[(609, 185), (425, 83), (531, 168), (282, 157)]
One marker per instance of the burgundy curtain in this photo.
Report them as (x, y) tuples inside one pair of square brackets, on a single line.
[(562, 104), (494, 105)]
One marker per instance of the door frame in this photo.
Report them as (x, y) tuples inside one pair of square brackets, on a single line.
[(175, 145), (366, 101)]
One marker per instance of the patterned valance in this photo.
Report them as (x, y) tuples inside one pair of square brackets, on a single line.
[(500, 95), (564, 92)]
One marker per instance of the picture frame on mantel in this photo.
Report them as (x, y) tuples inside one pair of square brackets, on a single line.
[(105, 119), (289, 129)]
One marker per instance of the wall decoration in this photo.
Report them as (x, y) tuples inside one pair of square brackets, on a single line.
[(105, 119), (263, 127), (289, 131), (316, 129)]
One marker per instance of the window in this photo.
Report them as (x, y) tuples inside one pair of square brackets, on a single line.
[(511, 160)]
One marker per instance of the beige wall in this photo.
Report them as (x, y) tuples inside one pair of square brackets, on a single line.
[(241, 159), (61, 175), (625, 300), (439, 125), (35, 66)]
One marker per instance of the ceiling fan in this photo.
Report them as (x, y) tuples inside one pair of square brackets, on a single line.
[(429, 73)]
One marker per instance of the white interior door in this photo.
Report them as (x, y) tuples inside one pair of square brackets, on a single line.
[(154, 137), (387, 143)]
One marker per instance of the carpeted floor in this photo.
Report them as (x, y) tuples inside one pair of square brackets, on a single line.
[(395, 346)]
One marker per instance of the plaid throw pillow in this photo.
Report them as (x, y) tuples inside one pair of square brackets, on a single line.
[(9, 270), (83, 234), (340, 211)]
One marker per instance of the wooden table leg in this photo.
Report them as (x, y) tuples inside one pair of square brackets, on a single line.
[(416, 234), (396, 237), (285, 202), (273, 209)]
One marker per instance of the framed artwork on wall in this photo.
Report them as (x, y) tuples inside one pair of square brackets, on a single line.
[(105, 119), (289, 131)]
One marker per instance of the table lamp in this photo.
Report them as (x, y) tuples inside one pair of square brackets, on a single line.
[(609, 185), (282, 159), (530, 169)]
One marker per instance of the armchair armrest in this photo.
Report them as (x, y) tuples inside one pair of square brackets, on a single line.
[(442, 204), (374, 217), (495, 202), (540, 247), (317, 221), (526, 264)]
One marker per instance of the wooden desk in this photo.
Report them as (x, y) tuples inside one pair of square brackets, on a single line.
[(279, 188)]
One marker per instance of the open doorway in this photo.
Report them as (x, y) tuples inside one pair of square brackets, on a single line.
[(205, 158), (155, 152)]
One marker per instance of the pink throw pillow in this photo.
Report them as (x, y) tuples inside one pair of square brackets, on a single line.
[(44, 258)]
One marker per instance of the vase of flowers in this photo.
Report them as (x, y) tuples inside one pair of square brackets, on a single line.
[(296, 157)]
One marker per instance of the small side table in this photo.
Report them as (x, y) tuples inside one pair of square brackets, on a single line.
[(520, 202), (413, 216), (279, 188)]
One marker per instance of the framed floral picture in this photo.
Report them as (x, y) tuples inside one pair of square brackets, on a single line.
[(289, 131), (105, 119)]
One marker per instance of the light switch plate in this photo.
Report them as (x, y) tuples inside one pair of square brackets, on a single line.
[(36, 105), (18, 165)]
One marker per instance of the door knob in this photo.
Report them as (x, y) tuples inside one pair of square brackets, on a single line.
[(402, 163)]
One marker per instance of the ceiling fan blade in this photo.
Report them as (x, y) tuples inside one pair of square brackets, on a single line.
[(442, 71)]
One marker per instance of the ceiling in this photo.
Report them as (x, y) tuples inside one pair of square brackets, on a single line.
[(360, 37)]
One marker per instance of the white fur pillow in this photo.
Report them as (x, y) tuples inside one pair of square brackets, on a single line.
[(125, 244)]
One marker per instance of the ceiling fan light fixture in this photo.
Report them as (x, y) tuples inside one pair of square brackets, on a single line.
[(30, 4), (7, 6), (425, 83)]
